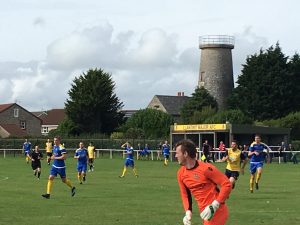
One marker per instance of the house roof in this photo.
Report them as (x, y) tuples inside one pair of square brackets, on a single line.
[(14, 130), (5, 106), (53, 116), (39, 113), (172, 104)]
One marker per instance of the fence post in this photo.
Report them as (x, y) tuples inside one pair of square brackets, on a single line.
[(110, 153), (4, 154)]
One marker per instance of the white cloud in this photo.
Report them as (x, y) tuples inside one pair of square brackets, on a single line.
[(142, 65), (39, 21)]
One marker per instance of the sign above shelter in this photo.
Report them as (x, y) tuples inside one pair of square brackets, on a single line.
[(200, 127)]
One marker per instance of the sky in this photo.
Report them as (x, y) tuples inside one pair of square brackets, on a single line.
[(149, 47)]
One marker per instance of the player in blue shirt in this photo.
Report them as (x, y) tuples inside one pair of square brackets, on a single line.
[(166, 152), (145, 152), (129, 159), (58, 167), (26, 150), (257, 153), (81, 154)]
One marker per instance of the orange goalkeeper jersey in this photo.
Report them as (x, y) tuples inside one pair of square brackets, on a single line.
[(203, 182)]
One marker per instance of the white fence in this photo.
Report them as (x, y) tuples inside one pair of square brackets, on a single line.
[(154, 154)]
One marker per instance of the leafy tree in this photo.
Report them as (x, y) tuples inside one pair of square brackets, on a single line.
[(150, 123), (291, 120), (294, 76), (201, 116), (232, 116), (200, 98), (268, 86), (92, 105)]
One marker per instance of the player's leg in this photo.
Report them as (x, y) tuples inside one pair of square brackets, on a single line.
[(258, 176), (62, 173), (233, 178), (252, 176), (53, 174), (79, 173), (134, 169), (166, 159), (84, 168), (26, 157), (79, 177), (49, 154), (34, 168), (124, 168), (39, 172)]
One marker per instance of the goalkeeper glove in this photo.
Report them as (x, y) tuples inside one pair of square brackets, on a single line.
[(210, 210), (187, 219)]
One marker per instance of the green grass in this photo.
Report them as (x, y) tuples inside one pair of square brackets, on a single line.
[(151, 199)]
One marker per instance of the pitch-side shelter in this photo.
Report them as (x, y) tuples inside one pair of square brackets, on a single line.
[(214, 133)]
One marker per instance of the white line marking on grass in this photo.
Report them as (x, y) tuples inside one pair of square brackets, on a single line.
[(274, 211), (3, 179)]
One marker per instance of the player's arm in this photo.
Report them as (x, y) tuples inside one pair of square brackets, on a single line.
[(62, 157), (124, 145), (87, 156), (226, 157), (30, 157), (267, 148), (251, 151), (244, 159), (217, 177), (186, 198), (76, 156), (213, 174), (41, 156)]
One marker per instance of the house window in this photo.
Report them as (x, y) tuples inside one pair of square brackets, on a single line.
[(45, 130), (23, 125), (16, 112)]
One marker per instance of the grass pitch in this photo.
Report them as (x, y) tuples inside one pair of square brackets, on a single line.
[(151, 199)]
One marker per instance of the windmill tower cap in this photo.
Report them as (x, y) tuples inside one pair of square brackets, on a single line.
[(216, 41)]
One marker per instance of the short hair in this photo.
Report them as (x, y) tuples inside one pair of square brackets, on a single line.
[(257, 135), (58, 137), (188, 146)]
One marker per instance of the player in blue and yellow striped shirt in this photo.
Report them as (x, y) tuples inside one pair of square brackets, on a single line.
[(257, 154), (81, 154), (129, 159), (58, 167)]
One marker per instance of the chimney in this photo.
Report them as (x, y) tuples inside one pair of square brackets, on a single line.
[(182, 93), (178, 93)]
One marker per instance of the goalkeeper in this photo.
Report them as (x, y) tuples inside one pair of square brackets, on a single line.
[(202, 181)]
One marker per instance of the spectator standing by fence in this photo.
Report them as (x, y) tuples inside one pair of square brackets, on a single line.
[(282, 151), (206, 151), (222, 149), (293, 153)]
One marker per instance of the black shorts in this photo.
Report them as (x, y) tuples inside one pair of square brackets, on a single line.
[(91, 160), (35, 165), (49, 154), (234, 174)]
